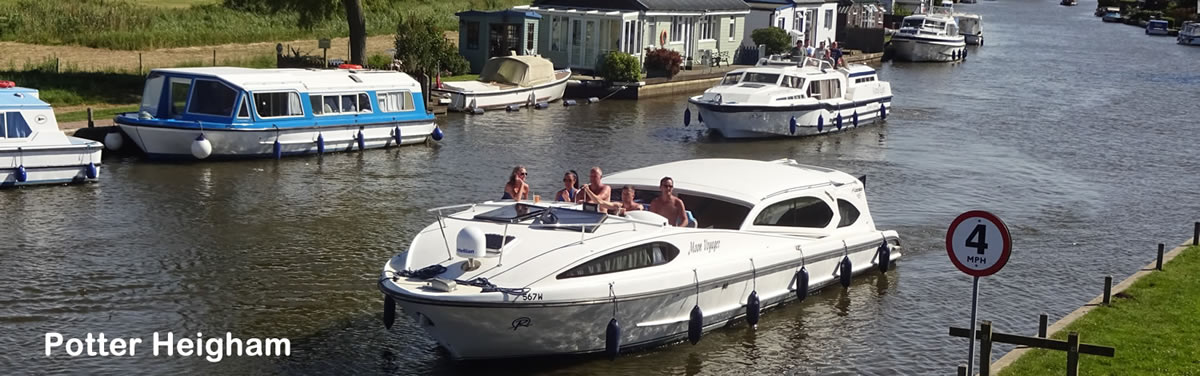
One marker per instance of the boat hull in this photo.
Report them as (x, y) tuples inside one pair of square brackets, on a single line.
[(522, 328), (917, 49), (973, 39), (733, 121), (1192, 40), (159, 142), (465, 101), (51, 164)]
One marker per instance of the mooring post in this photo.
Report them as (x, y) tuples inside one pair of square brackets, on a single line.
[(91, 123), (139, 63), (1107, 290), (962, 370), (1196, 234), (985, 348), (1073, 354), (1042, 325), (1161, 246), (214, 58)]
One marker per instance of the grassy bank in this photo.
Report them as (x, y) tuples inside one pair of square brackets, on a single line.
[(150, 24), (1153, 325)]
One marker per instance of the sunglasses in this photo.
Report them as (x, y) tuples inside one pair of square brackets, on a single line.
[(523, 174)]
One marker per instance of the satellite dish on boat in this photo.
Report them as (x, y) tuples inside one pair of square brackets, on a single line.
[(471, 244)]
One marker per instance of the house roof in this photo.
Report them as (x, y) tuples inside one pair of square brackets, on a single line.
[(646, 4), (507, 12)]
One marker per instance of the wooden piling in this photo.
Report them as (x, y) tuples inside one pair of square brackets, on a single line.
[(962, 370), (139, 63), (91, 121), (214, 58), (1158, 265), (1196, 234), (1107, 290), (1042, 319), (985, 348), (1073, 354)]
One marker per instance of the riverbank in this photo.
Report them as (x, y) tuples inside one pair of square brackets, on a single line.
[(1151, 322)]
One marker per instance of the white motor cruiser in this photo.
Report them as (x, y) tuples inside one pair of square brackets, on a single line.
[(1189, 34), (507, 80), (929, 37), (515, 279), (32, 148), (971, 27), (800, 99)]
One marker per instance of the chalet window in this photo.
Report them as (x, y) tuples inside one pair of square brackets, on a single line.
[(637, 257), (558, 33), (212, 98), (278, 104), (529, 37), (472, 35), (732, 27), (706, 27), (653, 31), (829, 18), (798, 212), (677, 29), (781, 23)]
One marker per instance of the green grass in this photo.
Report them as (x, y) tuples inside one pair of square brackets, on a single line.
[(1154, 328), (150, 24), (98, 114), (461, 77)]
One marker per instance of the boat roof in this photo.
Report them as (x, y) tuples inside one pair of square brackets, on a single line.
[(21, 98), (304, 80), (744, 180)]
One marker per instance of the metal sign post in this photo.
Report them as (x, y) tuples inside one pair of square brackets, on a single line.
[(969, 248)]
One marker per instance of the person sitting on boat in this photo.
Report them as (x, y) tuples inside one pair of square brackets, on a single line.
[(619, 208), (836, 54), (570, 187), (627, 203), (668, 205), (599, 191), (516, 188)]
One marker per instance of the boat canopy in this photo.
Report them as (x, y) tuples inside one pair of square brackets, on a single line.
[(524, 71)]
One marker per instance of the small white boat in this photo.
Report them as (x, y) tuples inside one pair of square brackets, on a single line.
[(929, 37), (227, 112), (1157, 27), (517, 279), (1111, 16), (1069, 2), (798, 99), (1189, 34), (507, 80), (971, 27), (32, 148)]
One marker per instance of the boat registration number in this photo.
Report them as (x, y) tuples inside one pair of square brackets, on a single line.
[(531, 296)]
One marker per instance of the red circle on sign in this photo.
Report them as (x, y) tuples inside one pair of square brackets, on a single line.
[(1004, 252)]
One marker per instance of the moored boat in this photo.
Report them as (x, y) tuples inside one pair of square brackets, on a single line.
[(32, 148), (929, 37), (1069, 2), (1111, 16), (803, 99), (1189, 34), (515, 279), (507, 80), (971, 27), (1157, 27), (225, 112)]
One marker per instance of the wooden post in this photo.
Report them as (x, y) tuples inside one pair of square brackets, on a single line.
[(985, 348), (962, 370), (214, 58), (91, 124), (139, 63), (1042, 325), (1161, 246), (1196, 234), (1073, 354), (56, 65), (1107, 290)]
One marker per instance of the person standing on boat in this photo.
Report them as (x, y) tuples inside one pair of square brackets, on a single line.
[(601, 191), (516, 188), (835, 53), (570, 187), (668, 205)]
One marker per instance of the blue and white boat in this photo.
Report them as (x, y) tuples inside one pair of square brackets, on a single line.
[(226, 112), (32, 148)]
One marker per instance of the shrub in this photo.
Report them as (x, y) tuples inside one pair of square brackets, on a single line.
[(664, 60), (776, 39), (379, 61), (619, 67)]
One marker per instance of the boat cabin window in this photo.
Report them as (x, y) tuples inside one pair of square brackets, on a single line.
[(570, 219), (244, 112), (278, 104), (848, 212), (731, 79), (766, 78), (152, 93), (13, 125), (864, 79), (708, 212), (913, 23), (642, 256), (798, 212), (825, 89), (180, 88), (792, 82), (212, 98), (395, 101), (329, 104)]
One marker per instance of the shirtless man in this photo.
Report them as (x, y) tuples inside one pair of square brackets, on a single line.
[(601, 191), (668, 205), (619, 208)]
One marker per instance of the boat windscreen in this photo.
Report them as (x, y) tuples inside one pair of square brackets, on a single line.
[(564, 218), (731, 78), (913, 23), (512, 213), (766, 78)]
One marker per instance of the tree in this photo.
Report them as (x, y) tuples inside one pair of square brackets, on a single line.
[(776, 39), (314, 11), (423, 51)]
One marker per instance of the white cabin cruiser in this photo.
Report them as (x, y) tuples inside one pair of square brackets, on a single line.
[(929, 37), (507, 80), (802, 99), (971, 27), (32, 148), (1189, 34), (504, 279)]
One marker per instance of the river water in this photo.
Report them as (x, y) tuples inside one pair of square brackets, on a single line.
[(1080, 135)]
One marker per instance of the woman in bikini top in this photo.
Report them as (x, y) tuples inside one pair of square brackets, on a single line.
[(570, 187)]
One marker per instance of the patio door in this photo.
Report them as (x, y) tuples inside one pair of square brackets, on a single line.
[(575, 56), (590, 42)]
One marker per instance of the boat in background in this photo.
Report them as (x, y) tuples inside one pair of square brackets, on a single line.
[(1111, 16), (507, 80), (1189, 34), (228, 112), (1157, 27), (505, 279), (32, 148), (971, 27), (807, 97), (929, 37), (1069, 2)]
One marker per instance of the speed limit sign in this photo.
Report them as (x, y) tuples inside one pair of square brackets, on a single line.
[(978, 243)]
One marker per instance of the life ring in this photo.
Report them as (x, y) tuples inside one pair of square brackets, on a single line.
[(662, 38)]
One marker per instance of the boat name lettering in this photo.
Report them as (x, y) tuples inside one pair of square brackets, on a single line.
[(704, 245), (532, 296), (521, 321)]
